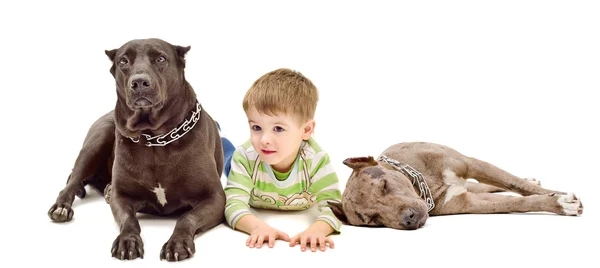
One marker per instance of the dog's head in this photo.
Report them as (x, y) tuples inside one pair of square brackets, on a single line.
[(377, 196), (148, 73)]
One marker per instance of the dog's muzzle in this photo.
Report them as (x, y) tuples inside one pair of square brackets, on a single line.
[(141, 90), (413, 219)]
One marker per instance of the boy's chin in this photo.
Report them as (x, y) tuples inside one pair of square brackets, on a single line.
[(269, 159)]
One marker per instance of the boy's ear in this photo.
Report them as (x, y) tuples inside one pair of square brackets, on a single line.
[(309, 128)]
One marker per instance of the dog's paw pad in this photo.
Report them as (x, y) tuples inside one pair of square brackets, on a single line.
[(570, 204), (533, 181)]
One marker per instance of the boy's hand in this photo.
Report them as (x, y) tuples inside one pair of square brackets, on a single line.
[(263, 233), (315, 235), (259, 231)]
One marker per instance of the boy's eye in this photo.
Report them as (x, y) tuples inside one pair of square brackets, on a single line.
[(278, 129), (256, 128)]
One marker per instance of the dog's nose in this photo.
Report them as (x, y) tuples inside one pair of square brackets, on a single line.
[(140, 82), (410, 219)]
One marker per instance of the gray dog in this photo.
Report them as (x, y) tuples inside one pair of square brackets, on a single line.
[(411, 181), (159, 152)]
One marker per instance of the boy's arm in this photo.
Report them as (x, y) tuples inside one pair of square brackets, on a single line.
[(237, 190), (324, 182), (237, 210)]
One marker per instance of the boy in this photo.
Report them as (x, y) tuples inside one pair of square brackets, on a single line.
[(281, 167)]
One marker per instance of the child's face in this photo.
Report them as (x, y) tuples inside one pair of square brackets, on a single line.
[(277, 138)]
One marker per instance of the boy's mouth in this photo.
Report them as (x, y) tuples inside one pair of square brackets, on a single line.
[(267, 152)]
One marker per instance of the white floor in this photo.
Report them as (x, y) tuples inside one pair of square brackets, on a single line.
[(513, 83), (531, 239)]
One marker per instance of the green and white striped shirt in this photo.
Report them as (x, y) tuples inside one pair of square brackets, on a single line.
[(252, 182)]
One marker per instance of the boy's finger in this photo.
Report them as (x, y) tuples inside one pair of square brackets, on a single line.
[(283, 236), (330, 242), (253, 240), (322, 243), (260, 241), (303, 243), (294, 241), (272, 238), (313, 244)]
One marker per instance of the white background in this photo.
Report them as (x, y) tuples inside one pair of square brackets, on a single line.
[(513, 83)]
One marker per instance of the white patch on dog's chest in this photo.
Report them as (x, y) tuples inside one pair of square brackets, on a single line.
[(457, 184), (160, 195)]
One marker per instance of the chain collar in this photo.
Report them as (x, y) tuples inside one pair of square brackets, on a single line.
[(173, 135), (417, 177)]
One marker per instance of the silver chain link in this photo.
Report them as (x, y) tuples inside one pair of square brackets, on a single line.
[(173, 135), (417, 177)]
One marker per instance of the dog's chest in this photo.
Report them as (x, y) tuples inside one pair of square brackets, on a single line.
[(161, 196), (457, 185)]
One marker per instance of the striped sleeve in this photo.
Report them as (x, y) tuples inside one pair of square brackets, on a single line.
[(324, 182), (237, 190)]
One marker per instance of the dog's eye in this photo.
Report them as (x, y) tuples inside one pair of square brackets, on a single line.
[(161, 59), (123, 61)]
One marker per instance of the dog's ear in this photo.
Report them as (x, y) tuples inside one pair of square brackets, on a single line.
[(181, 51), (360, 162), (111, 55), (338, 211)]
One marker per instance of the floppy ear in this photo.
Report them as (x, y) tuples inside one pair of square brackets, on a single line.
[(360, 162), (338, 211), (181, 51), (111, 55)]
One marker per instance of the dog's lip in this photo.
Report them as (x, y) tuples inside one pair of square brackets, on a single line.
[(142, 103)]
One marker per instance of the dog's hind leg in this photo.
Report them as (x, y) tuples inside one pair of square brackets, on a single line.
[(91, 166), (487, 203), (492, 175)]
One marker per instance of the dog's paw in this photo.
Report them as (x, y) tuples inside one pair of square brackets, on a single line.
[(178, 249), (128, 247), (61, 213), (570, 204), (533, 181)]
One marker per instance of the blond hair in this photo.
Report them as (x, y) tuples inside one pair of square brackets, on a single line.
[(283, 91)]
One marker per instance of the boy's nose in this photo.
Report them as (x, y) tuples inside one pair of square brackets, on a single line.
[(265, 139)]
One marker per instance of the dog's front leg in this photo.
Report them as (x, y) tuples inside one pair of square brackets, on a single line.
[(128, 244), (95, 153), (206, 214)]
